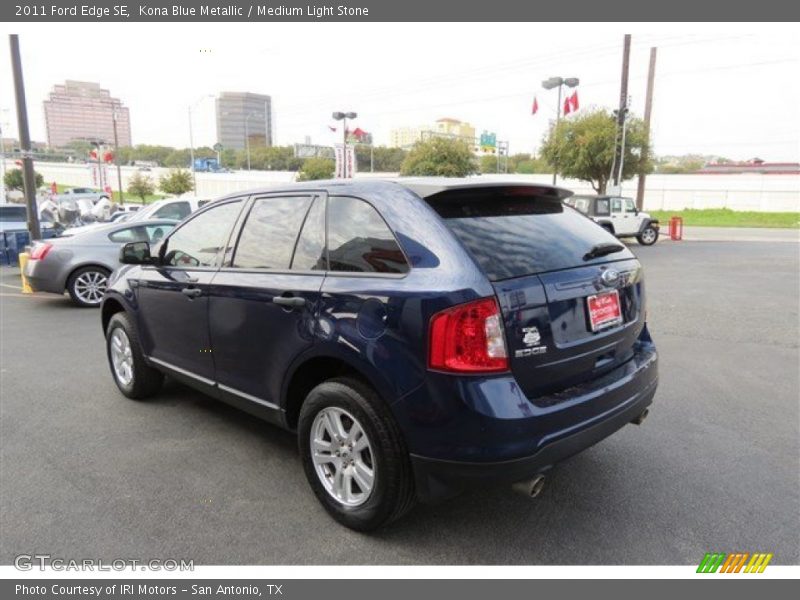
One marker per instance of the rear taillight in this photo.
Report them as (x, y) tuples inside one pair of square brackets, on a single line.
[(468, 339), (40, 250)]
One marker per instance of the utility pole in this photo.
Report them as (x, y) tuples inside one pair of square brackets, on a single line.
[(648, 110), (28, 178), (619, 150), (116, 157)]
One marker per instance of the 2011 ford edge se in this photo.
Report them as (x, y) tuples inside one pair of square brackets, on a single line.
[(420, 336)]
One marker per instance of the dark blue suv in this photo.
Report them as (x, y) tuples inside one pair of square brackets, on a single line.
[(420, 336)]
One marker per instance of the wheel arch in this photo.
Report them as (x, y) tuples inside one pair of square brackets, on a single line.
[(111, 306), (312, 370)]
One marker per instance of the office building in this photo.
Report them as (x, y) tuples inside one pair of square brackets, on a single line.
[(82, 110), (243, 116)]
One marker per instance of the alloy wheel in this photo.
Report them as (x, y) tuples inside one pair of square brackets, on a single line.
[(342, 455), (121, 356), (90, 286)]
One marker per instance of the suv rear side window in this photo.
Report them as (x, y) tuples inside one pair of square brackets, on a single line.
[(516, 231), (197, 242), (359, 241), (269, 234)]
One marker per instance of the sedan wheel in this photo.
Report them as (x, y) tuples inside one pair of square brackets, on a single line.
[(87, 286)]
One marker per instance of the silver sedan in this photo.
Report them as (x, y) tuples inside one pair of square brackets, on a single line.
[(80, 264)]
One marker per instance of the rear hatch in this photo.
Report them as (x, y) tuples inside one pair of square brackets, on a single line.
[(570, 293)]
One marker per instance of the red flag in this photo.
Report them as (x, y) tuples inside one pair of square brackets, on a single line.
[(573, 100), (535, 107), (331, 127), (567, 107)]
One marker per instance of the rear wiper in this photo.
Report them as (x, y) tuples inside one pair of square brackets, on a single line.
[(602, 250)]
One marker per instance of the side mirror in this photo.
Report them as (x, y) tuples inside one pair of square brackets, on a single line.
[(135, 253)]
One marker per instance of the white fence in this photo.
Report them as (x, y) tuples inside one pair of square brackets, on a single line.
[(766, 193)]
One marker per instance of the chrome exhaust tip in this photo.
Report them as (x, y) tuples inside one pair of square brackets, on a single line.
[(530, 487), (640, 419)]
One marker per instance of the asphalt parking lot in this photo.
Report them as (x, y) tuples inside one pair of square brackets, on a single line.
[(86, 473)]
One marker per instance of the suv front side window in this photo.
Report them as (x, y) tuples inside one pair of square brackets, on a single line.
[(630, 207), (359, 241), (198, 241), (174, 210)]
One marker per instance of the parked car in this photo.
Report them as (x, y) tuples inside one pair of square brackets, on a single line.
[(619, 216), (79, 193), (14, 217), (81, 263), (420, 336), (170, 208)]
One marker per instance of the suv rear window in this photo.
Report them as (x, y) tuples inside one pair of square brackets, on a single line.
[(9, 214), (516, 231)]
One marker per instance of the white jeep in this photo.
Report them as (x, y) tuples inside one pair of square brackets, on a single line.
[(619, 215)]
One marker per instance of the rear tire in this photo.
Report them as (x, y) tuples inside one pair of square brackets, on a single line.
[(375, 458), (134, 378), (648, 236), (87, 285)]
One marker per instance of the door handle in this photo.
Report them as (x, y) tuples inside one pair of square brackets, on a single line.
[(192, 292), (290, 301)]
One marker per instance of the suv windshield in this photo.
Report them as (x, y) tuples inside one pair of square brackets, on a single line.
[(516, 231)]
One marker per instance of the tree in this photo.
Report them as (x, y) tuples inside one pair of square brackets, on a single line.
[(527, 164), (140, 185), (384, 160), (439, 156), (582, 148), (14, 181), (316, 168), (177, 181)]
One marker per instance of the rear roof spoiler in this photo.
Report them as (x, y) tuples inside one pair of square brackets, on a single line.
[(427, 187)]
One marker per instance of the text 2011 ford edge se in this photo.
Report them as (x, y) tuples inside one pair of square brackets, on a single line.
[(420, 336)]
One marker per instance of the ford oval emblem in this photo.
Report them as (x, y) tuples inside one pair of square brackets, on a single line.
[(610, 277)]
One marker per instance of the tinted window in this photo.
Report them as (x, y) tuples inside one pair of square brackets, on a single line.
[(309, 254), (174, 210), (269, 234), (141, 233), (512, 232), (13, 213), (359, 240), (602, 207), (196, 243)]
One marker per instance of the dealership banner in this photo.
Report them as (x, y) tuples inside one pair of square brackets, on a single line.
[(408, 10)]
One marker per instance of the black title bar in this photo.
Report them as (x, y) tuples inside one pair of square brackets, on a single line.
[(399, 10)]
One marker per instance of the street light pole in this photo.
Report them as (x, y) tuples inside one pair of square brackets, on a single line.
[(247, 140), (559, 82), (116, 157), (191, 138), (191, 151)]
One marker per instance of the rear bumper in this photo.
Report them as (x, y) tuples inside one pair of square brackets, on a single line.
[(44, 276), (505, 448), (438, 479)]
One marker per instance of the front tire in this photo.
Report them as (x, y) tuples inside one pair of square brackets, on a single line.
[(648, 236), (354, 455), (134, 378), (87, 285)]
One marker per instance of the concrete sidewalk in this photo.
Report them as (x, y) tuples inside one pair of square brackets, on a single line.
[(735, 234)]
